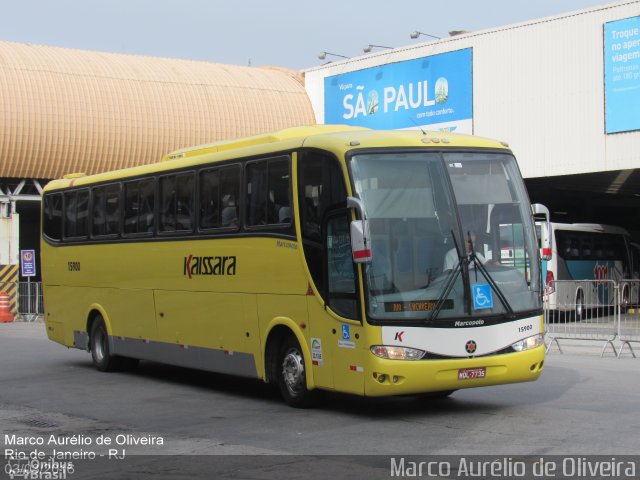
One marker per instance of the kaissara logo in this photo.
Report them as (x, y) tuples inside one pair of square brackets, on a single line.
[(209, 265), (398, 336), (471, 346)]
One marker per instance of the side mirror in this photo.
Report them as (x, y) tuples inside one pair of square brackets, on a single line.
[(541, 216), (360, 242), (540, 212), (545, 241), (360, 236)]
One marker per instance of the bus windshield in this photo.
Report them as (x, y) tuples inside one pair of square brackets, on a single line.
[(451, 236)]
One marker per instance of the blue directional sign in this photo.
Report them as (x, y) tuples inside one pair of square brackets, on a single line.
[(28, 263)]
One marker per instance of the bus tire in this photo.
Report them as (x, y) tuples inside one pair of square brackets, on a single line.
[(291, 374), (579, 312), (100, 352)]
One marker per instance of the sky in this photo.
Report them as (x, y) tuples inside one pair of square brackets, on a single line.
[(283, 33)]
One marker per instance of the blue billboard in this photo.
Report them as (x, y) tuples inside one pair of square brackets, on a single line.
[(434, 92), (622, 75)]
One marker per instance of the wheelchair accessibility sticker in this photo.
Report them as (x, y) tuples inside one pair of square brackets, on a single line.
[(482, 296), (346, 332)]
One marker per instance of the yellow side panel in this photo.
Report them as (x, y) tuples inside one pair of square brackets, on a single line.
[(321, 328), (349, 356), (344, 350), (129, 313), (207, 319), (55, 331), (63, 308)]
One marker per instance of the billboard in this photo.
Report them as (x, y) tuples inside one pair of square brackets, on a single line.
[(434, 92), (622, 75)]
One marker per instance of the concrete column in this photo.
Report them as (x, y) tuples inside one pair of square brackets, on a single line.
[(9, 237)]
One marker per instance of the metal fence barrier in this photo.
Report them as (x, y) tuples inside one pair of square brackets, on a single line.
[(629, 322), (25, 299), (593, 310)]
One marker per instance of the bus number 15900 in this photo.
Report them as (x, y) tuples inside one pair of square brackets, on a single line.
[(74, 266)]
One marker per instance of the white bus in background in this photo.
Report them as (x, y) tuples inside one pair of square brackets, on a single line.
[(585, 259)]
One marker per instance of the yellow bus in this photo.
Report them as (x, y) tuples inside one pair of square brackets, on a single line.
[(316, 258)]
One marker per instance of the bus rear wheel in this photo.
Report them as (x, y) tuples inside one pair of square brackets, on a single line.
[(101, 353), (292, 375)]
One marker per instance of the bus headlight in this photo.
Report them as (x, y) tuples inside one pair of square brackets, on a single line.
[(397, 353), (528, 343)]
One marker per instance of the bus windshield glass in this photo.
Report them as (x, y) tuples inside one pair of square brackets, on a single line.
[(451, 236)]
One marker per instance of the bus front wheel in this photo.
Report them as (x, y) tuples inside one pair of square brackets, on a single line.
[(292, 375), (101, 353)]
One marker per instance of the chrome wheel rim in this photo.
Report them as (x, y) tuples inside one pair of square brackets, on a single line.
[(579, 306), (98, 345), (293, 371)]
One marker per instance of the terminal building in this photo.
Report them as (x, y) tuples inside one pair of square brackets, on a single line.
[(563, 92)]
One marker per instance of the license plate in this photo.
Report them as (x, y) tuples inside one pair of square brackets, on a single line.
[(471, 373)]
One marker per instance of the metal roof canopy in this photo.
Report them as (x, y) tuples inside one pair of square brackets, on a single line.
[(65, 110)]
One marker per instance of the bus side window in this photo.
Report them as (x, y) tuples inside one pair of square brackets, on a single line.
[(76, 217), (575, 251), (279, 210), (219, 194), (268, 192), (139, 206), (184, 202), (52, 216), (167, 221), (229, 195), (176, 203), (106, 211), (257, 193)]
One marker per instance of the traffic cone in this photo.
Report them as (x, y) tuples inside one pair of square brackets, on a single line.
[(5, 308)]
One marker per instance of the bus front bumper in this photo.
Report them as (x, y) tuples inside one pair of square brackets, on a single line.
[(397, 377)]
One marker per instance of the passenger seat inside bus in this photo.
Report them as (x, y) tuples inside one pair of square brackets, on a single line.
[(284, 215)]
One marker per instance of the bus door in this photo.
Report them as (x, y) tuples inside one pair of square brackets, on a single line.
[(322, 189), (348, 344)]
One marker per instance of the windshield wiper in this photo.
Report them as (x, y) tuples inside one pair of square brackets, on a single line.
[(451, 279), (463, 263), (479, 266)]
